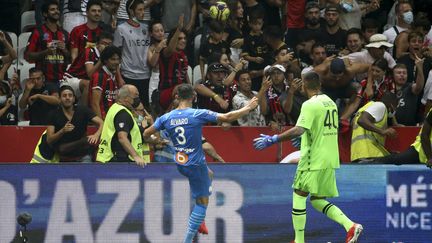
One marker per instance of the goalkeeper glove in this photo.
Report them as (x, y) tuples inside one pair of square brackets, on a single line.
[(265, 141), (296, 142)]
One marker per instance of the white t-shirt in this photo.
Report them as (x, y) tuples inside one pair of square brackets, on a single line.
[(377, 110), (391, 33), (365, 57)]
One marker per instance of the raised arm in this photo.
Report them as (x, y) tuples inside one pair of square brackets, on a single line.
[(234, 115)]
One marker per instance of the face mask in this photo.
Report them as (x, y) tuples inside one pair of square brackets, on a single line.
[(140, 119), (136, 102), (408, 17), (3, 99), (346, 7)]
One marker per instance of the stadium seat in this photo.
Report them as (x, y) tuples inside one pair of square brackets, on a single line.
[(14, 39), (22, 44), (28, 21), (11, 70), (197, 73), (190, 73), (197, 44)]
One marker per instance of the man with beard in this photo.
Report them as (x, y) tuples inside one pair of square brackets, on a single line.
[(47, 44), (67, 128), (354, 41), (318, 55), (332, 35)]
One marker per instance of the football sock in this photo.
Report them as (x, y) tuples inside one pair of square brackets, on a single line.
[(196, 218), (333, 212), (299, 217)]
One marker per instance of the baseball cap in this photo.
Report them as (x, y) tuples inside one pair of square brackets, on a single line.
[(332, 7), (378, 40), (216, 67), (337, 66), (279, 67)]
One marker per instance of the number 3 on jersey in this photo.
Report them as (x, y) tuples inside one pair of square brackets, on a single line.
[(181, 139), (331, 119)]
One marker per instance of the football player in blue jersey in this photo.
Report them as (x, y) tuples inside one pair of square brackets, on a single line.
[(184, 126)]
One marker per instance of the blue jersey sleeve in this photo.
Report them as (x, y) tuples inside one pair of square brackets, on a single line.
[(159, 123), (206, 116)]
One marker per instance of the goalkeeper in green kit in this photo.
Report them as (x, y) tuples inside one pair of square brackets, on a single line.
[(318, 127)]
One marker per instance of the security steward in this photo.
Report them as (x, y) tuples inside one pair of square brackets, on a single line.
[(121, 139)]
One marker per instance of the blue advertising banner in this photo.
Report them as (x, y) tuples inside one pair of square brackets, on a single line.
[(250, 203)]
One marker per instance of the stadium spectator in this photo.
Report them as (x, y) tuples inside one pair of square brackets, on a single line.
[(173, 9), (313, 20), (235, 24), (336, 81), (407, 111), (39, 97), (67, 129), (405, 16), (376, 49), (369, 28), (221, 101), (109, 12), (134, 40), (273, 36), (78, 77), (7, 53), (353, 11), (295, 17), (273, 96), (318, 55), (370, 128), (144, 120), (158, 43), (85, 35), (250, 6), (255, 49), (243, 97), (214, 43), (74, 13), (415, 42), (420, 25), (173, 65), (354, 42), (48, 45), (8, 105), (104, 85), (227, 63), (332, 35)]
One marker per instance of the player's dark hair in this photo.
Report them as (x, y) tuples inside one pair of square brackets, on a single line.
[(185, 91), (311, 80), (108, 52)]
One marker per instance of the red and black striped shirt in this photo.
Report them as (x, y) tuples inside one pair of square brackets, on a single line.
[(172, 70), (104, 81), (83, 37), (91, 55), (54, 65)]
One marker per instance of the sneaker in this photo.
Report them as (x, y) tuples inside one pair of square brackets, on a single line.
[(203, 229), (354, 233)]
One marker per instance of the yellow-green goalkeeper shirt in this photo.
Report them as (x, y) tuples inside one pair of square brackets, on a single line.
[(319, 143)]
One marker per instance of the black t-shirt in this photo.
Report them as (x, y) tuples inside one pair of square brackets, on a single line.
[(247, 11), (255, 46), (80, 119), (407, 109), (411, 69), (207, 48), (123, 122), (333, 42), (272, 15), (39, 111), (10, 117)]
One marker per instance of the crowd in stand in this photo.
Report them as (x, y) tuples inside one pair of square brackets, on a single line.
[(363, 51)]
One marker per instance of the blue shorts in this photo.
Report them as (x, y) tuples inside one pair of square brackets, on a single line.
[(199, 180)]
